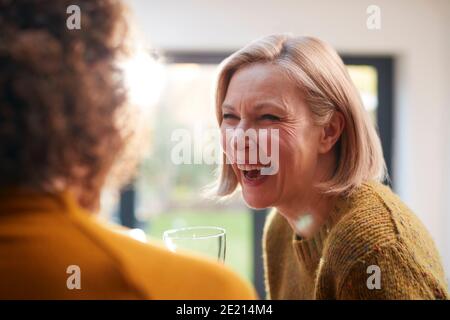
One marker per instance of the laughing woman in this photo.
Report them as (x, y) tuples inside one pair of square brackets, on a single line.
[(336, 231)]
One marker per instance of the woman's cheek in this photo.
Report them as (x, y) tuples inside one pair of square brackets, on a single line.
[(290, 151), (226, 142), (289, 138)]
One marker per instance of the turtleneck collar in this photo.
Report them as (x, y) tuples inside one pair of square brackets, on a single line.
[(309, 251)]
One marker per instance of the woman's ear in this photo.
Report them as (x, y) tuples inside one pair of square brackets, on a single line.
[(331, 132)]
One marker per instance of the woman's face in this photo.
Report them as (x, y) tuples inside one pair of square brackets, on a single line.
[(261, 96)]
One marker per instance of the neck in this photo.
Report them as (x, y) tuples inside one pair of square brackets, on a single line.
[(307, 217), (309, 212)]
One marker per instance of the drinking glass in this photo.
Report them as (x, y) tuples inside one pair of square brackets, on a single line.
[(210, 241)]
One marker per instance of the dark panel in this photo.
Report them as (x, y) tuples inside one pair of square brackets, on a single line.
[(259, 218), (127, 214), (385, 111)]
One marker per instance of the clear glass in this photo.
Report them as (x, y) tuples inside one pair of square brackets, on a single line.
[(209, 241)]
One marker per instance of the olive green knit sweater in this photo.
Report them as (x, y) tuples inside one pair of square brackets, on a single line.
[(369, 236)]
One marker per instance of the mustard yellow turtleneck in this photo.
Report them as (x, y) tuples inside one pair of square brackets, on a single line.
[(41, 235), (371, 233)]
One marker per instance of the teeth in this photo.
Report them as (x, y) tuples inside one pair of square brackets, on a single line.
[(249, 167)]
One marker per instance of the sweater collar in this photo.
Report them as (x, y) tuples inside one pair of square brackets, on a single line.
[(16, 200), (309, 251)]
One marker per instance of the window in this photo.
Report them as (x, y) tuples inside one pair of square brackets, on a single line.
[(365, 79), (170, 195)]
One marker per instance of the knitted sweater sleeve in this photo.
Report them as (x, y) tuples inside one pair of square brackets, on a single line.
[(388, 271)]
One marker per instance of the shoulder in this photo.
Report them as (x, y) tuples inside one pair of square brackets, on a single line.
[(363, 223), (160, 274), (375, 228), (375, 216), (365, 218)]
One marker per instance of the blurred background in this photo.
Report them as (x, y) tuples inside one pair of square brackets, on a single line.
[(401, 68)]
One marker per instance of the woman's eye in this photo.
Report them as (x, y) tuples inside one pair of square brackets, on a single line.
[(229, 116), (270, 117)]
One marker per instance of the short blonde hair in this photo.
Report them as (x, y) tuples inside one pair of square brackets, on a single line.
[(318, 71)]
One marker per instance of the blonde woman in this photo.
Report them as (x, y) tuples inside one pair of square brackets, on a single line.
[(336, 232)]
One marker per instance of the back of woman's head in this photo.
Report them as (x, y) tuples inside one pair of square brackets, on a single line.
[(60, 94)]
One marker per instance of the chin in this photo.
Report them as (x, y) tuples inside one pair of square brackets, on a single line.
[(258, 201)]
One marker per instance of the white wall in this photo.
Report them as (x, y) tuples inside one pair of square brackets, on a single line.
[(447, 122), (416, 32)]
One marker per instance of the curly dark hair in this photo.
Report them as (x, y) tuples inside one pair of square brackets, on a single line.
[(60, 94)]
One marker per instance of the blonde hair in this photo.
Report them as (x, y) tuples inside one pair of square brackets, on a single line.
[(318, 71)]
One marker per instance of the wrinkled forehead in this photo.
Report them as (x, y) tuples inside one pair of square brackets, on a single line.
[(261, 85)]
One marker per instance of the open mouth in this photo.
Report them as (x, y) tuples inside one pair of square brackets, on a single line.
[(252, 174)]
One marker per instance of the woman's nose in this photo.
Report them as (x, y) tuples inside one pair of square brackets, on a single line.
[(244, 145), (244, 136), (240, 140)]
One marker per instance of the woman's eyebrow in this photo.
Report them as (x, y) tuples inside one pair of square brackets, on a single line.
[(269, 105), (227, 106)]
